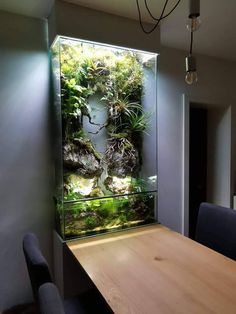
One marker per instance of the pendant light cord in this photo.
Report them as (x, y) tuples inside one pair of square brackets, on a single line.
[(191, 43), (158, 20), (162, 16)]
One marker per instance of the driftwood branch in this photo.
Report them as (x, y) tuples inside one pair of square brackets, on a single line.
[(101, 127)]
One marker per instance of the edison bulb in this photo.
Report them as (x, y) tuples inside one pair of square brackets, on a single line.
[(193, 24), (191, 77)]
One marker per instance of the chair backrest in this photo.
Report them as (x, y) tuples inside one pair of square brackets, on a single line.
[(36, 263), (49, 299), (216, 229)]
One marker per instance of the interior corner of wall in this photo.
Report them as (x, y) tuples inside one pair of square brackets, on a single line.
[(52, 25)]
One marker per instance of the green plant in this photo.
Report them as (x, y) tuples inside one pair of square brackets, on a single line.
[(73, 100), (84, 71), (91, 222), (137, 122), (75, 209), (71, 195), (122, 219), (125, 78), (120, 111), (107, 208), (79, 134), (138, 185)]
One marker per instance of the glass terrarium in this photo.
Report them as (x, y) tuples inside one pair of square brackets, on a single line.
[(105, 109)]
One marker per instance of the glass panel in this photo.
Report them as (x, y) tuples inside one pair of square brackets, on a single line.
[(107, 150), (106, 214), (57, 135)]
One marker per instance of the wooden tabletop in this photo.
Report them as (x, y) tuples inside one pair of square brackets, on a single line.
[(155, 270)]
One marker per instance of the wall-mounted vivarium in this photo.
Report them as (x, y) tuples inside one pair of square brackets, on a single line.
[(105, 101)]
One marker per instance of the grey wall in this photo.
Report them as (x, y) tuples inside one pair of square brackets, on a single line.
[(83, 23), (216, 86), (25, 162)]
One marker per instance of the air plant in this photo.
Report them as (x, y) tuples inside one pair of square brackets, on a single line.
[(119, 107), (119, 112), (137, 122)]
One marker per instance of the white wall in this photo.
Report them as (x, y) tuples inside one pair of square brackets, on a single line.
[(25, 162), (216, 86), (218, 156)]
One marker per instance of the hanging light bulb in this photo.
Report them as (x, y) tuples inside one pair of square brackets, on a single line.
[(194, 12), (191, 73), (193, 24), (191, 77)]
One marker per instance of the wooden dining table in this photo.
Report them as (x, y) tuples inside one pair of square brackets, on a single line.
[(155, 270)]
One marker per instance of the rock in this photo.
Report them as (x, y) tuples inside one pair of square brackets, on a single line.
[(119, 185), (122, 158), (81, 159), (74, 183)]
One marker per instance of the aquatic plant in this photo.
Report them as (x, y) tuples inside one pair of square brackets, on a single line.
[(91, 222), (103, 214)]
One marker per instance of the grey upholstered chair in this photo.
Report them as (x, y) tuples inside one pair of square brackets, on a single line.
[(216, 229), (40, 277), (50, 302), (36, 263), (49, 299)]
